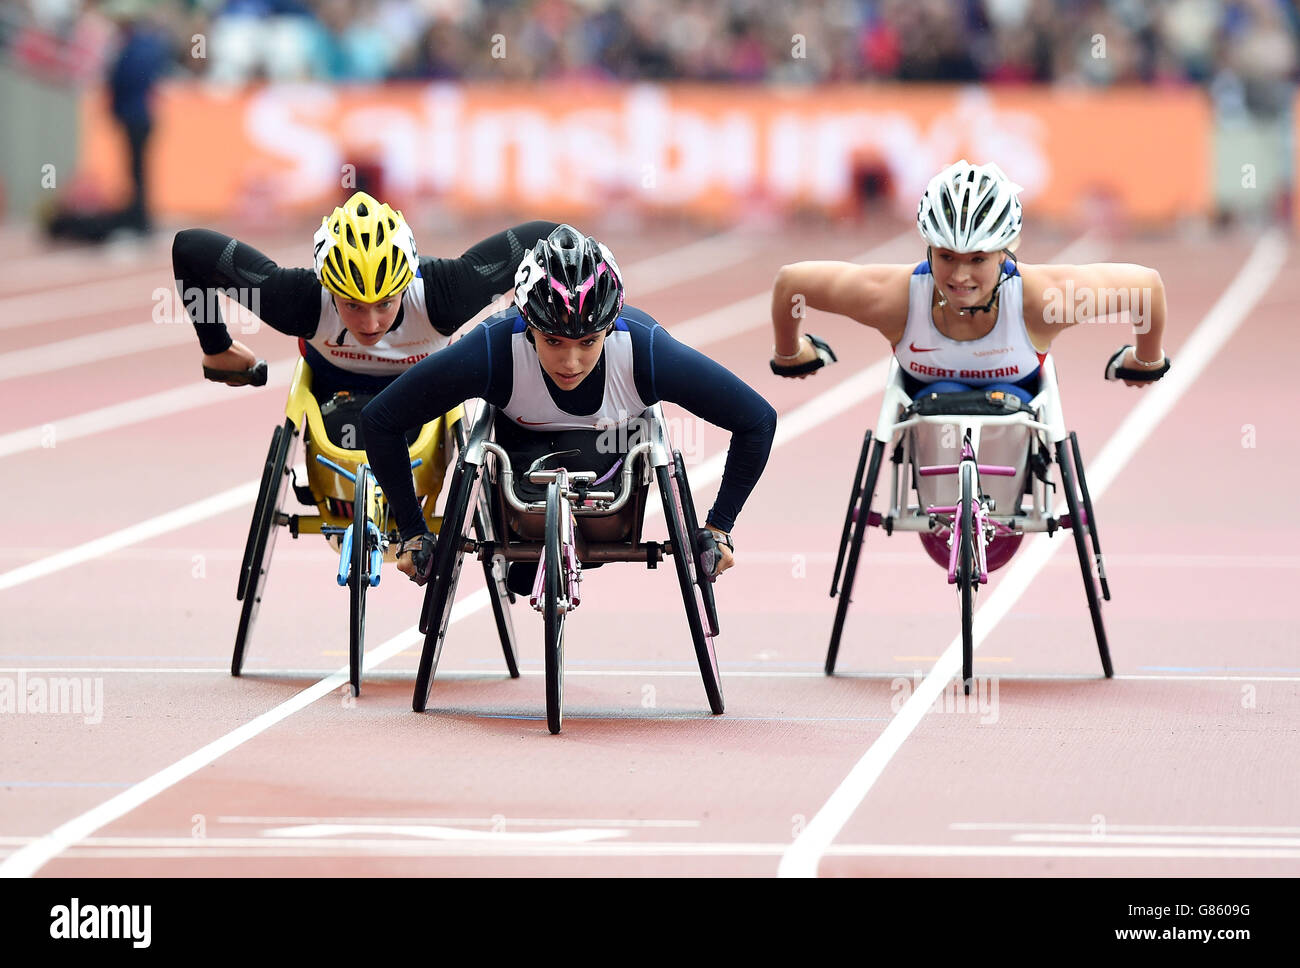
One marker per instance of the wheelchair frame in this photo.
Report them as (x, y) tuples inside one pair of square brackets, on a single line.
[(563, 547), (970, 525), (348, 503)]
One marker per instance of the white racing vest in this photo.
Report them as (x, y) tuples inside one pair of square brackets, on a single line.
[(530, 403), (1004, 355), (398, 351)]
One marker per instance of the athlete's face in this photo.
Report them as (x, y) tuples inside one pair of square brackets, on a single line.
[(965, 278), (368, 322), (568, 361)]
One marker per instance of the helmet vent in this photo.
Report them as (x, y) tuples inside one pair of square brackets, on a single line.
[(362, 210), (380, 274)]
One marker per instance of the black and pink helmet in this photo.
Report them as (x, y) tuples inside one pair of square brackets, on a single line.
[(569, 285)]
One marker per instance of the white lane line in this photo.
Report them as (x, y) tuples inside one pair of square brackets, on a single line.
[(1168, 840), (161, 524), (89, 298), (97, 347), (175, 848), (1128, 828), (685, 672), (691, 261), (31, 858), (138, 290), (497, 820), (1250, 283), (756, 310), (166, 403)]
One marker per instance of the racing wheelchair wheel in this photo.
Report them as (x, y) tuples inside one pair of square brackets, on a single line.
[(261, 536), (1092, 518), (1085, 561), (967, 571), (494, 573), (359, 579), (554, 587), (858, 514), (494, 570), (692, 526), (440, 592), (686, 559)]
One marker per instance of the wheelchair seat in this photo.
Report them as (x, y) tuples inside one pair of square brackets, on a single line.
[(341, 415), (967, 403), (595, 454)]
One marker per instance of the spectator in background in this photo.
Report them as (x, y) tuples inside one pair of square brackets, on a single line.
[(145, 56)]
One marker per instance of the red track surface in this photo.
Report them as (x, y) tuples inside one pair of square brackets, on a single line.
[(1180, 765)]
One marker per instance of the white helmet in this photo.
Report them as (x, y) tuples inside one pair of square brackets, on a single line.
[(970, 208)]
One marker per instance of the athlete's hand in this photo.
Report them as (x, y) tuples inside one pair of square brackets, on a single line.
[(1130, 361), (813, 354), (715, 551), (236, 359), (1126, 359), (415, 558), (807, 353)]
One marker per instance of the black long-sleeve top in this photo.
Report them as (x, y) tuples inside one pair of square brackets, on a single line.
[(288, 299)]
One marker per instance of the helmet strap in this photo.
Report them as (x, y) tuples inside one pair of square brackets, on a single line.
[(993, 296)]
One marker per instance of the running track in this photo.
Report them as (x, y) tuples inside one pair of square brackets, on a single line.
[(1179, 766)]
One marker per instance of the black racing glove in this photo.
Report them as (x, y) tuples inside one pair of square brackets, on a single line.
[(1116, 372), (421, 551), (710, 545), (254, 376), (825, 356)]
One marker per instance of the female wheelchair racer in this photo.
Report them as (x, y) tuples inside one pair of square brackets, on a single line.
[(569, 357), (970, 322)]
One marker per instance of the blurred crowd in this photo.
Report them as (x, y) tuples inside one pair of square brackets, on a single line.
[(1243, 49)]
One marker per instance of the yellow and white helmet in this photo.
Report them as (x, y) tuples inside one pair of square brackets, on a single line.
[(970, 208), (365, 251)]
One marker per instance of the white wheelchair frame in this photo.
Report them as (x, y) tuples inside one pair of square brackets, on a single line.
[(972, 520)]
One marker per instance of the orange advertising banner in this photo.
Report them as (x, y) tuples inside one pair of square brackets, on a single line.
[(1142, 154)]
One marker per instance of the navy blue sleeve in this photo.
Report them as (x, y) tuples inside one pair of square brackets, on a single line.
[(682, 375), (479, 365)]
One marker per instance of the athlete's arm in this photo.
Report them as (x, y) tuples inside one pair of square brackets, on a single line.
[(687, 377), (1060, 296), (204, 262), (479, 365), (874, 296), (456, 290)]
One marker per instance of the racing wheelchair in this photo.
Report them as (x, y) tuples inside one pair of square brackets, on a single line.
[(557, 517), (350, 510), (973, 460)]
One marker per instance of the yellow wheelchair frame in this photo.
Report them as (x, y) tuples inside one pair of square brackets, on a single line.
[(349, 505)]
